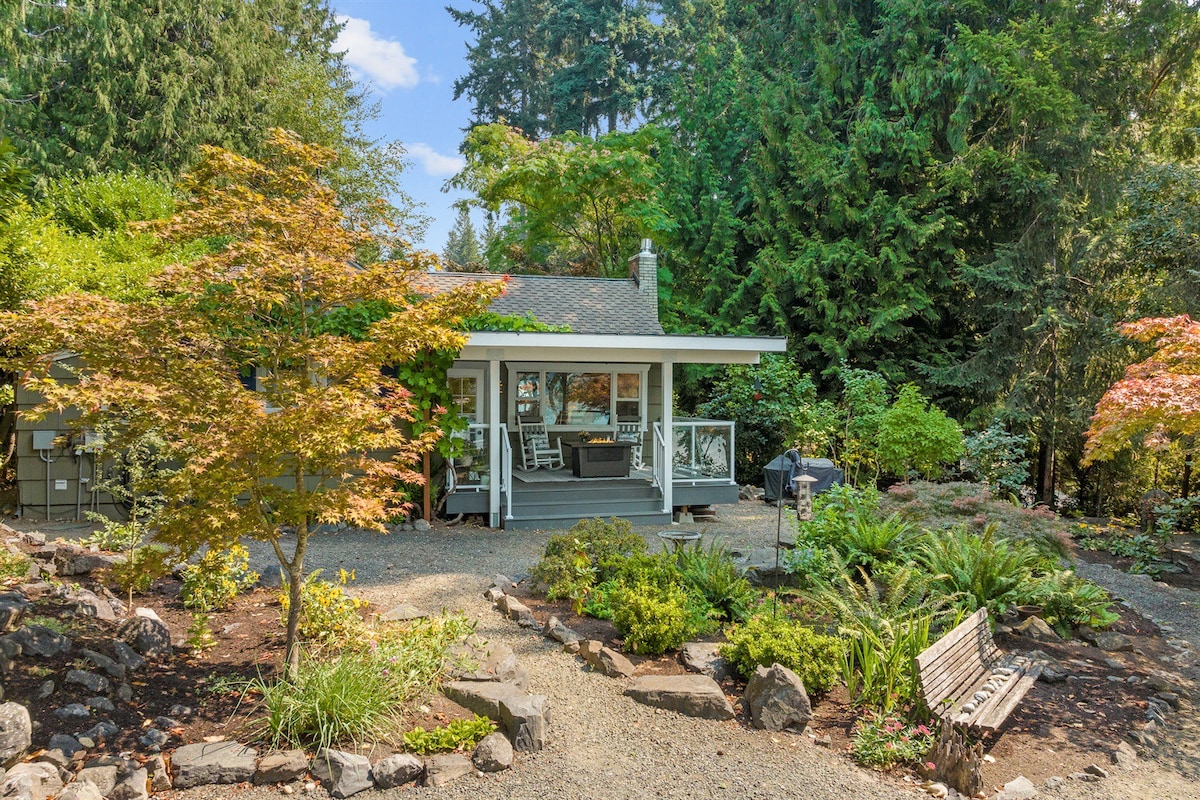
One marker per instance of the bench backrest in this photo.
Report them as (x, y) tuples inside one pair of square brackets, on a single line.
[(954, 663)]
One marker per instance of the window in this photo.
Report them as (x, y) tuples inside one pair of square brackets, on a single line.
[(466, 392), (577, 396)]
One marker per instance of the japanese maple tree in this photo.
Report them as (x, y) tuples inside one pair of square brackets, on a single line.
[(1159, 395), (321, 437)]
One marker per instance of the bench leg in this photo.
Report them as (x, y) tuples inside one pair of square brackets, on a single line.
[(959, 763)]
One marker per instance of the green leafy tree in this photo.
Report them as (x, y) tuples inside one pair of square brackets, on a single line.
[(917, 436), (573, 205), (321, 439)]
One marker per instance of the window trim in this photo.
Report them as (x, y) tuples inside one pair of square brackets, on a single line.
[(480, 375), (612, 370)]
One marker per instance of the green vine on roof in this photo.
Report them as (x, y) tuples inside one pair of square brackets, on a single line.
[(523, 323)]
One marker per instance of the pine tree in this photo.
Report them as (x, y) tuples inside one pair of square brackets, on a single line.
[(462, 245)]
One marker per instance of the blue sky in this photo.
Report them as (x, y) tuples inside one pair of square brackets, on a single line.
[(410, 52)]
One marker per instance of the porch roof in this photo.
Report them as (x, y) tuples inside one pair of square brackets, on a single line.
[(669, 348)]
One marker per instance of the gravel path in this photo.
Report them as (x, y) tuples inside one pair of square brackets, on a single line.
[(603, 745)]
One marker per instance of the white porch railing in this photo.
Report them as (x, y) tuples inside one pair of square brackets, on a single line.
[(660, 457), (506, 468), (703, 452)]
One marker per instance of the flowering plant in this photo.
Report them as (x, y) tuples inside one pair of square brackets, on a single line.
[(884, 741)]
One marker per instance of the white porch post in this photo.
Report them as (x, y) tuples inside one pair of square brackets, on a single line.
[(668, 405), (494, 420)]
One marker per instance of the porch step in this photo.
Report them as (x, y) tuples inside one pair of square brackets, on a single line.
[(561, 505)]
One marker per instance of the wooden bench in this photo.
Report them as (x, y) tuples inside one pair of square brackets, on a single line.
[(968, 681)]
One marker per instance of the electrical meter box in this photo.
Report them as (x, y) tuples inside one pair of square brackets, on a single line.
[(44, 440)]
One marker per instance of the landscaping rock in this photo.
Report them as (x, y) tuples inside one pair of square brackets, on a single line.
[(403, 613), (776, 699), (1038, 630), (81, 790), (154, 739), (397, 770), (559, 632), (1097, 770), (1124, 755), (493, 594), (9, 650), (127, 656), (73, 711), (74, 560), (101, 730), (690, 695), (703, 657), (41, 778), (481, 697), (97, 684), (108, 665), (282, 767), (212, 762), (446, 768), (421, 525), (496, 662), (90, 604), (11, 612), (103, 777), (1109, 641), (494, 753), (609, 662), (39, 640), (342, 774), (134, 786), (1020, 788), (270, 577), (16, 733), (150, 637), (526, 718), (100, 704), (590, 648), (502, 582), (160, 778), (69, 745)]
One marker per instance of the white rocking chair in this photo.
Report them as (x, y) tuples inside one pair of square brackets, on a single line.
[(631, 432), (535, 446)]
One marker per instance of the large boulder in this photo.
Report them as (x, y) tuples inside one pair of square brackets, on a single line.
[(134, 786), (1038, 630), (776, 699), (148, 636), (342, 774), (494, 753), (486, 661), (81, 790), (90, 604), (397, 770), (71, 559), (690, 695), (446, 768), (212, 762), (16, 733)]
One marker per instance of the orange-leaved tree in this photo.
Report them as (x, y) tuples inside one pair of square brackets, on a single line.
[(320, 437), (1160, 395)]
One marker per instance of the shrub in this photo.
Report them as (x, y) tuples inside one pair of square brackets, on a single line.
[(763, 641), (458, 734), (215, 581), (984, 570), (883, 742), (915, 435), (712, 574), (587, 554), (327, 613), (115, 536), (362, 692), (654, 619), (812, 565), (1068, 600), (998, 459), (870, 542)]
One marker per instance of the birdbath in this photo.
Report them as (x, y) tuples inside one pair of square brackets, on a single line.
[(679, 538)]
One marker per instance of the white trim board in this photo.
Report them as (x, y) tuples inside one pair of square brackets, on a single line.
[(583, 348)]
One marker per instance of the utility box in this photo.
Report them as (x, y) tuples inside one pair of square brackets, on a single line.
[(44, 440)]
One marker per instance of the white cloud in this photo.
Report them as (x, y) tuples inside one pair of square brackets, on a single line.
[(382, 61), (434, 163)]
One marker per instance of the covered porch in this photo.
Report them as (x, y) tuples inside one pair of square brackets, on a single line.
[(580, 388)]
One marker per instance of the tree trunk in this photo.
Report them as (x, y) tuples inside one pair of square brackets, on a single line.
[(295, 571), (425, 492), (959, 763)]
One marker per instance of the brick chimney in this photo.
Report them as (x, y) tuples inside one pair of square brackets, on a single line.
[(643, 268)]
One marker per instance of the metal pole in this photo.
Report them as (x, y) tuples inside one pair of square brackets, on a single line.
[(778, 532)]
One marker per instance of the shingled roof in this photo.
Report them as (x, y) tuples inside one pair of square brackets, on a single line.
[(587, 305)]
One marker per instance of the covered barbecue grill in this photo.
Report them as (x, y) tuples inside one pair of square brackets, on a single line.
[(791, 464)]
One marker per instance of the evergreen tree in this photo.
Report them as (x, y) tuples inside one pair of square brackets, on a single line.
[(462, 245)]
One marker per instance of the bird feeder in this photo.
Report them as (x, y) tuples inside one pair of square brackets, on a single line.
[(803, 486)]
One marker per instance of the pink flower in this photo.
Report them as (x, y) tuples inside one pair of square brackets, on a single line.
[(930, 765), (921, 729), (891, 746)]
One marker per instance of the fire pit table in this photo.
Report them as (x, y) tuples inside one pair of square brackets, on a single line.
[(600, 459)]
